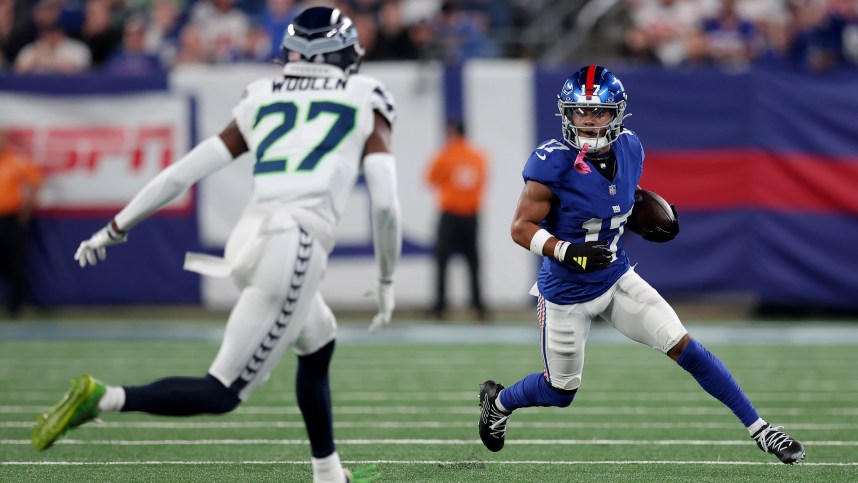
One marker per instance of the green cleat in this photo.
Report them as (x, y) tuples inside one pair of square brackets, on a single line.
[(360, 475), (78, 406)]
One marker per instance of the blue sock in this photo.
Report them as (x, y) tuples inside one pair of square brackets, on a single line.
[(314, 399), (533, 390), (713, 376)]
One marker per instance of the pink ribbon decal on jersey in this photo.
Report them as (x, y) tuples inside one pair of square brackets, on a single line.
[(580, 165)]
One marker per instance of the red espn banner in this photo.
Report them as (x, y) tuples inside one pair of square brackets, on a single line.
[(97, 152)]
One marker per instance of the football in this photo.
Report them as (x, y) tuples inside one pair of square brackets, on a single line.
[(649, 212)]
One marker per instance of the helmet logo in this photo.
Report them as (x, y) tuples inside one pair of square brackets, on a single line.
[(591, 78)]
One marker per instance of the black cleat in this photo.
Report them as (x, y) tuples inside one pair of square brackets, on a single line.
[(773, 441), (492, 421)]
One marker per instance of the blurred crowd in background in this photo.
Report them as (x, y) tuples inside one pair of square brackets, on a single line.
[(135, 37)]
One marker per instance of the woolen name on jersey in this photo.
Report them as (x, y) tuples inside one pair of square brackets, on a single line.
[(308, 83)]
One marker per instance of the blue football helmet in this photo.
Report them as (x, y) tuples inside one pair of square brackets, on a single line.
[(322, 35), (592, 88)]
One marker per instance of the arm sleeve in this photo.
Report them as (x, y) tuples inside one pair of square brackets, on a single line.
[(208, 157), (380, 173)]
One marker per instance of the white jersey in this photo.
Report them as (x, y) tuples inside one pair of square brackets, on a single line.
[(307, 135)]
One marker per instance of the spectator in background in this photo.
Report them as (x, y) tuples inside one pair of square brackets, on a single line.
[(459, 174), (849, 36), (458, 34), (191, 49), (7, 23), (164, 30), (257, 46), (53, 52), (367, 29), (393, 41), (44, 14), (278, 15), (665, 27), (806, 47), (99, 33), (19, 186), (131, 58), (363, 7), (730, 40), (222, 28), (422, 35), (824, 46), (776, 45), (417, 11)]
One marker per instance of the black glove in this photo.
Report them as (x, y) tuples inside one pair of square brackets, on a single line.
[(588, 256), (664, 233)]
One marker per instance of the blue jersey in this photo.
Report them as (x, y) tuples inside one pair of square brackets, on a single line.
[(586, 207)]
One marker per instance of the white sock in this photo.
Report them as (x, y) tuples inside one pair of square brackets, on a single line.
[(328, 469), (757, 425), (498, 403), (113, 399)]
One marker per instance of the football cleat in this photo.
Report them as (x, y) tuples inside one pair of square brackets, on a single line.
[(772, 440), (78, 406), (493, 421), (360, 475)]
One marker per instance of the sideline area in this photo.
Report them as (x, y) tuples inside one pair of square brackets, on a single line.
[(415, 331)]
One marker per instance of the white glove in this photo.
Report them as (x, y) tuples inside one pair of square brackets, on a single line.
[(98, 243), (384, 297)]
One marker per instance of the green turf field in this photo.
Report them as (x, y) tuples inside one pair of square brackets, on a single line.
[(412, 410)]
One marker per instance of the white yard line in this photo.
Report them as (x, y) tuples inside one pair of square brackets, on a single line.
[(50, 397), (474, 410), (429, 425), (416, 462), (400, 442)]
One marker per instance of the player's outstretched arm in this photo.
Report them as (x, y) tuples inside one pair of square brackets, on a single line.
[(207, 157), (379, 169)]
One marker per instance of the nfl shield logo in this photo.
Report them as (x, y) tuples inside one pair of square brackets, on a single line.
[(612, 189)]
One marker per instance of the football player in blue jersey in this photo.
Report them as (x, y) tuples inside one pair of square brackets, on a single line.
[(578, 194)]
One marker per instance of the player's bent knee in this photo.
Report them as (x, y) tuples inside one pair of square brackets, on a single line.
[(560, 397), (563, 397), (676, 351), (220, 398)]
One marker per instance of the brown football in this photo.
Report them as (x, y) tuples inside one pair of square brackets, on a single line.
[(649, 212)]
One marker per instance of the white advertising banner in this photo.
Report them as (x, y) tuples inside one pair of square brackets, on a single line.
[(96, 152)]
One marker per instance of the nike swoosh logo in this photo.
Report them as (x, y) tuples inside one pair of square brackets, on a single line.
[(540, 156)]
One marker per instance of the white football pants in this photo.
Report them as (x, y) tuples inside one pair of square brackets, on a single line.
[(631, 305), (279, 307)]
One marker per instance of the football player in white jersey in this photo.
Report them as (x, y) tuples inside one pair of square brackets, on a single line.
[(312, 130)]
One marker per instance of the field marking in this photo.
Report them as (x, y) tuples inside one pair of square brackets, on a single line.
[(714, 410), (49, 397), (426, 425), (422, 462), (406, 441), (409, 331)]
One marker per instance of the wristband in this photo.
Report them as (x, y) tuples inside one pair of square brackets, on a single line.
[(538, 241), (114, 232), (560, 250)]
